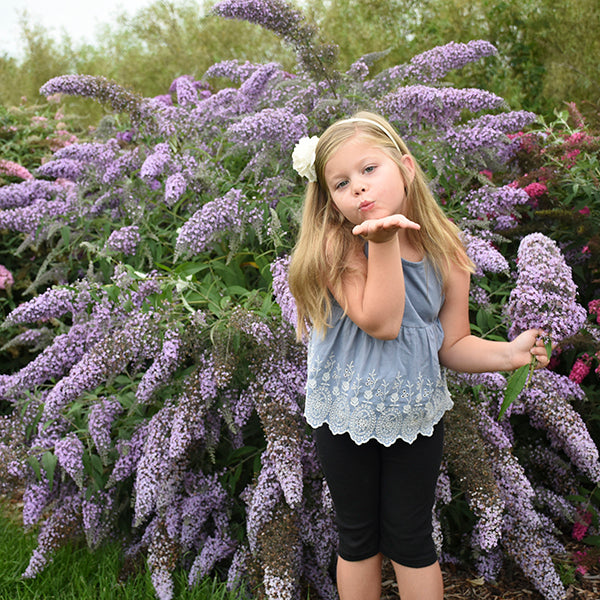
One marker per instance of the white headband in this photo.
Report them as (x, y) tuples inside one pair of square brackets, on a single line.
[(303, 156), (380, 127)]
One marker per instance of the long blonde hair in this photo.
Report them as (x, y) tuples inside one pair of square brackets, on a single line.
[(320, 257)]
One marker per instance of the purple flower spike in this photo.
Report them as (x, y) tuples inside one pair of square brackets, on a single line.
[(435, 63), (545, 294), (124, 240), (69, 452), (100, 89), (484, 255), (174, 188), (276, 15)]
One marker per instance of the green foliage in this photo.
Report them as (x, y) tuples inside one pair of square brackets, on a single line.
[(43, 58), (78, 574), (546, 50), (169, 39), (147, 51), (570, 42), (29, 134)]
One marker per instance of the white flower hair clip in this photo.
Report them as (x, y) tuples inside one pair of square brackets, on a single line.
[(303, 157)]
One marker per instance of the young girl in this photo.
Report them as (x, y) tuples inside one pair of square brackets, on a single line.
[(383, 279)]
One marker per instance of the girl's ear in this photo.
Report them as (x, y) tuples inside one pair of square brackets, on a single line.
[(408, 162)]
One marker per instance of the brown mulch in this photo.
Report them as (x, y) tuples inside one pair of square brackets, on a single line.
[(463, 585)]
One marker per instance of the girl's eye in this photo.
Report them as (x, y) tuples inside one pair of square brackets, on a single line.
[(370, 169), (341, 185)]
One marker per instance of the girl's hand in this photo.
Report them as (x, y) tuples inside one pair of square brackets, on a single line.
[(384, 229), (527, 344)]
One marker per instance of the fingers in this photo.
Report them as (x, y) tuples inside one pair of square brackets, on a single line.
[(539, 351), (391, 223), (540, 356)]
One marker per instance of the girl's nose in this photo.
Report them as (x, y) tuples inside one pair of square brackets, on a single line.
[(359, 188)]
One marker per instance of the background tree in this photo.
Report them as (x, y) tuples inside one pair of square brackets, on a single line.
[(546, 55)]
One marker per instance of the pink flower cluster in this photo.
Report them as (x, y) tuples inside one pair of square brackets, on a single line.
[(580, 557), (536, 189), (581, 368), (594, 309), (6, 278), (580, 138), (13, 169), (581, 526), (569, 158)]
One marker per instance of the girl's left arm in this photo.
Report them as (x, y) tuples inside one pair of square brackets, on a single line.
[(462, 351)]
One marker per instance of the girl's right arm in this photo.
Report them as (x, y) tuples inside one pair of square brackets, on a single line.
[(373, 288)]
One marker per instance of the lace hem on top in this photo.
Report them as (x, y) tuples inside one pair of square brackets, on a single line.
[(374, 408)]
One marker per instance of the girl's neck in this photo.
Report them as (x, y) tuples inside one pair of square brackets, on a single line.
[(408, 249)]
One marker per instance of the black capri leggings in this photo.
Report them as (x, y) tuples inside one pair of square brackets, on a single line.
[(383, 496)]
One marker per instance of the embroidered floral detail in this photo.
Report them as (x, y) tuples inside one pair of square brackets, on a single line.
[(372, 407)]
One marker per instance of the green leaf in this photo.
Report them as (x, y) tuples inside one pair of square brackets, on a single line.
[(49, 462), (65, 233), (516, 383), (34, 463), (576, 498), (113, 292), (482, 320), (238, 290), (592, 540)]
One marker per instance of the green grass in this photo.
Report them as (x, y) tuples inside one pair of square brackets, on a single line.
[(78, 574)]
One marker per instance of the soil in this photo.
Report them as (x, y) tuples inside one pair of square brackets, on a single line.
[(460, 584)]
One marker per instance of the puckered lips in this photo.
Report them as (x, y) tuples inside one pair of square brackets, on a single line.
[(366, 205)]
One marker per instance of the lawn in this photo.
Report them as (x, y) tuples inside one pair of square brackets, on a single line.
[(78, 574)]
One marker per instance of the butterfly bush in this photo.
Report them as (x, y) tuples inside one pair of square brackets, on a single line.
[(164, 384), (124, 239), (23, 194), (498, 205), (100, 420), (545, 295), (227, 215), (13, 169), (434, 64), (483, 254)]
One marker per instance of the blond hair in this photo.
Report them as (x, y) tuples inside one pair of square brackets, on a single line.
[(320, 257)]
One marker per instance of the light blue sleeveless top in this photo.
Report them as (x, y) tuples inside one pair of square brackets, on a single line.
[(382, 389)]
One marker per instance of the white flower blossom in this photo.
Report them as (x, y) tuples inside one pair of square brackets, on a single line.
[(303, 157)]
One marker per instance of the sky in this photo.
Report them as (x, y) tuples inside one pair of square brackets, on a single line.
[(79, 18)]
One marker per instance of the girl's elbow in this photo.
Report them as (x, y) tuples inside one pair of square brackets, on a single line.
[(384, 331)]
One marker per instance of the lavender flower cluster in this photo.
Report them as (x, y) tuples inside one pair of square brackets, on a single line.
[(100, 89), (276, 15), (498, 205), (124, 240), (228, 214), (484, 256), (547, 402), (420, 105), (434, 64), (545, 295)]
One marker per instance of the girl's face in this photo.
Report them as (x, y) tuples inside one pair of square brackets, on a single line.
[(364, 182)]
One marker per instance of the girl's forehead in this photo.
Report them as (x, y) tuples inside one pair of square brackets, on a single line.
[(355, 146)]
